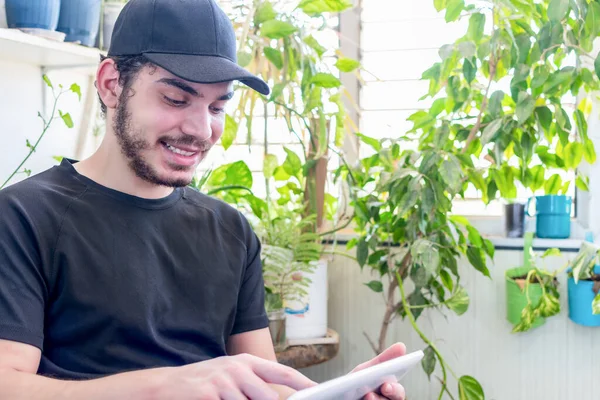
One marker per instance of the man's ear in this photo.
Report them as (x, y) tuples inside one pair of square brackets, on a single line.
[(107, 83)]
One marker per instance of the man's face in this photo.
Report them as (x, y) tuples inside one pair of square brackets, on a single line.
[(165, 125)]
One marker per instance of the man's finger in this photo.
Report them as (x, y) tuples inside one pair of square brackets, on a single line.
[(392, 391), (394, 351), (272, 372)]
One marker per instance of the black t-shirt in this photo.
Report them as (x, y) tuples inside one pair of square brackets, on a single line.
[(104, 282)]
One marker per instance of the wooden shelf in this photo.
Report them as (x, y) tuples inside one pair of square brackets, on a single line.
[(18, 46)]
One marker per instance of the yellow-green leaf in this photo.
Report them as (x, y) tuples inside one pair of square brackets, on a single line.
[(76, 89), (274, 56), (469, 389), (553, 185), (476, 25), (572, 155), (275, 29), (230, 132), (453, 9), (66, 117), (264, 12), (558, 9), (47, 80), (589, 152), (459, 302), (582, 183), (325, 80), (347, 64), (313, 44), (596, 305), (269, 164)]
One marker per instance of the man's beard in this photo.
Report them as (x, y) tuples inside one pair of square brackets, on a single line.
[(133, 144)]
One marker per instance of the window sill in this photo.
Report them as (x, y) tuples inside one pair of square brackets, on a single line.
[(564, 245)]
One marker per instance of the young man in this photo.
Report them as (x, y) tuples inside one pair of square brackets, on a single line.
[(117, 281)]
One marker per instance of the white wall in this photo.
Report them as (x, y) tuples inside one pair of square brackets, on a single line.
[(554, 362), (21, 90)]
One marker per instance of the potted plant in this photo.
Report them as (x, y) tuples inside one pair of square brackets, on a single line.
[(584, 286), (531, 293), (36, 14), (80, 20)]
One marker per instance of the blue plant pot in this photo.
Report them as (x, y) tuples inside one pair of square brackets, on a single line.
[(580, 301), (553, 216), (40, 14), (80, 20)]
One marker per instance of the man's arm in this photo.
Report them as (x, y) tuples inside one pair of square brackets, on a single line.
[(234, 377), (257, 343)]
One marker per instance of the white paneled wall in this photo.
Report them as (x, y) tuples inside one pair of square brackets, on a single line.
[(557, 361)]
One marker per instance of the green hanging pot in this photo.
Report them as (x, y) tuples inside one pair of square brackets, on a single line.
[(516, 298)]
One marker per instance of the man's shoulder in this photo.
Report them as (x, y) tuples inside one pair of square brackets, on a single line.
[(48, 189), (229, 218)]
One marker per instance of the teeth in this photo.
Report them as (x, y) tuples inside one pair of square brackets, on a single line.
[(179, 151)]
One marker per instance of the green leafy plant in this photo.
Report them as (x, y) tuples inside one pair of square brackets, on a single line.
[(548, 304), (514, 98), (279, 41), (581, 268), (408, 237), (46, 123)]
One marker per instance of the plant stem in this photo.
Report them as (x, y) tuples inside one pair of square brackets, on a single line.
[(413, 322), (32, 149)]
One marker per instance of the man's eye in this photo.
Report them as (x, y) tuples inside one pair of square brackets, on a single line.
[(176, 103), (217, 110)]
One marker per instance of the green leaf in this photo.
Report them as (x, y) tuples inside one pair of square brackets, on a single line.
[(544, 115), (269, 165), (441, 136), (525, 107), (426, 254), (557, 10), (76, 89), (467, 49), (292, 164), (428, 361), (451, 174), (453, 9), (582, 183), (275, 29), (322, 6), (277, 91), (58, 158), (489, 247), (47, 80), (495, 104), (325, 80), (581, 124), (490, 131), (553, 185), (375, 286), (476, 25), (244, 59), (474, 237), (236, 173), (538, 177), (469, 389), (551, 252), (475, 256), (230, 132), (374, 143), (66, 117), (589, 153), (596, 305), (264, 12), (274, 56), (439, 4), (362, 252), (548, 305), (469, 71), (573, 153), (313, 44), (347, 64), (446, 279), (592, 19), (459, 302)]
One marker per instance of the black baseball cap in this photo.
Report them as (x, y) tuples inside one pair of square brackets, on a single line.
[(192, 39)]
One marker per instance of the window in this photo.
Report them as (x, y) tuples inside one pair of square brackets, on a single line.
[(399, 41)]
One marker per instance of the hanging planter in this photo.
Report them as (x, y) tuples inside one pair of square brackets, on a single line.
[(517, 297), (80, 20), (584, 287), (37, 14)]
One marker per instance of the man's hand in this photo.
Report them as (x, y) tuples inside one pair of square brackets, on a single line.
[(238, 377), (392, 390)]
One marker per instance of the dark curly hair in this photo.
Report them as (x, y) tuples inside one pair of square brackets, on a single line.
[(128, 68)]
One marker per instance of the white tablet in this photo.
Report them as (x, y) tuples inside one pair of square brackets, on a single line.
[(357, 384)]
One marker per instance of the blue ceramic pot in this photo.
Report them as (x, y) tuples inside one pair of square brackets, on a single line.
[(553, 216), (80, 20), (40, 14), (580, 301)]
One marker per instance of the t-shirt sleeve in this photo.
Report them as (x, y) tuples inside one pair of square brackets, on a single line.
[(251, 314), (22, 286)]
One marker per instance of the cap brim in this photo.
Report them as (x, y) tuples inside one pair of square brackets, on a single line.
[(207, 69)]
